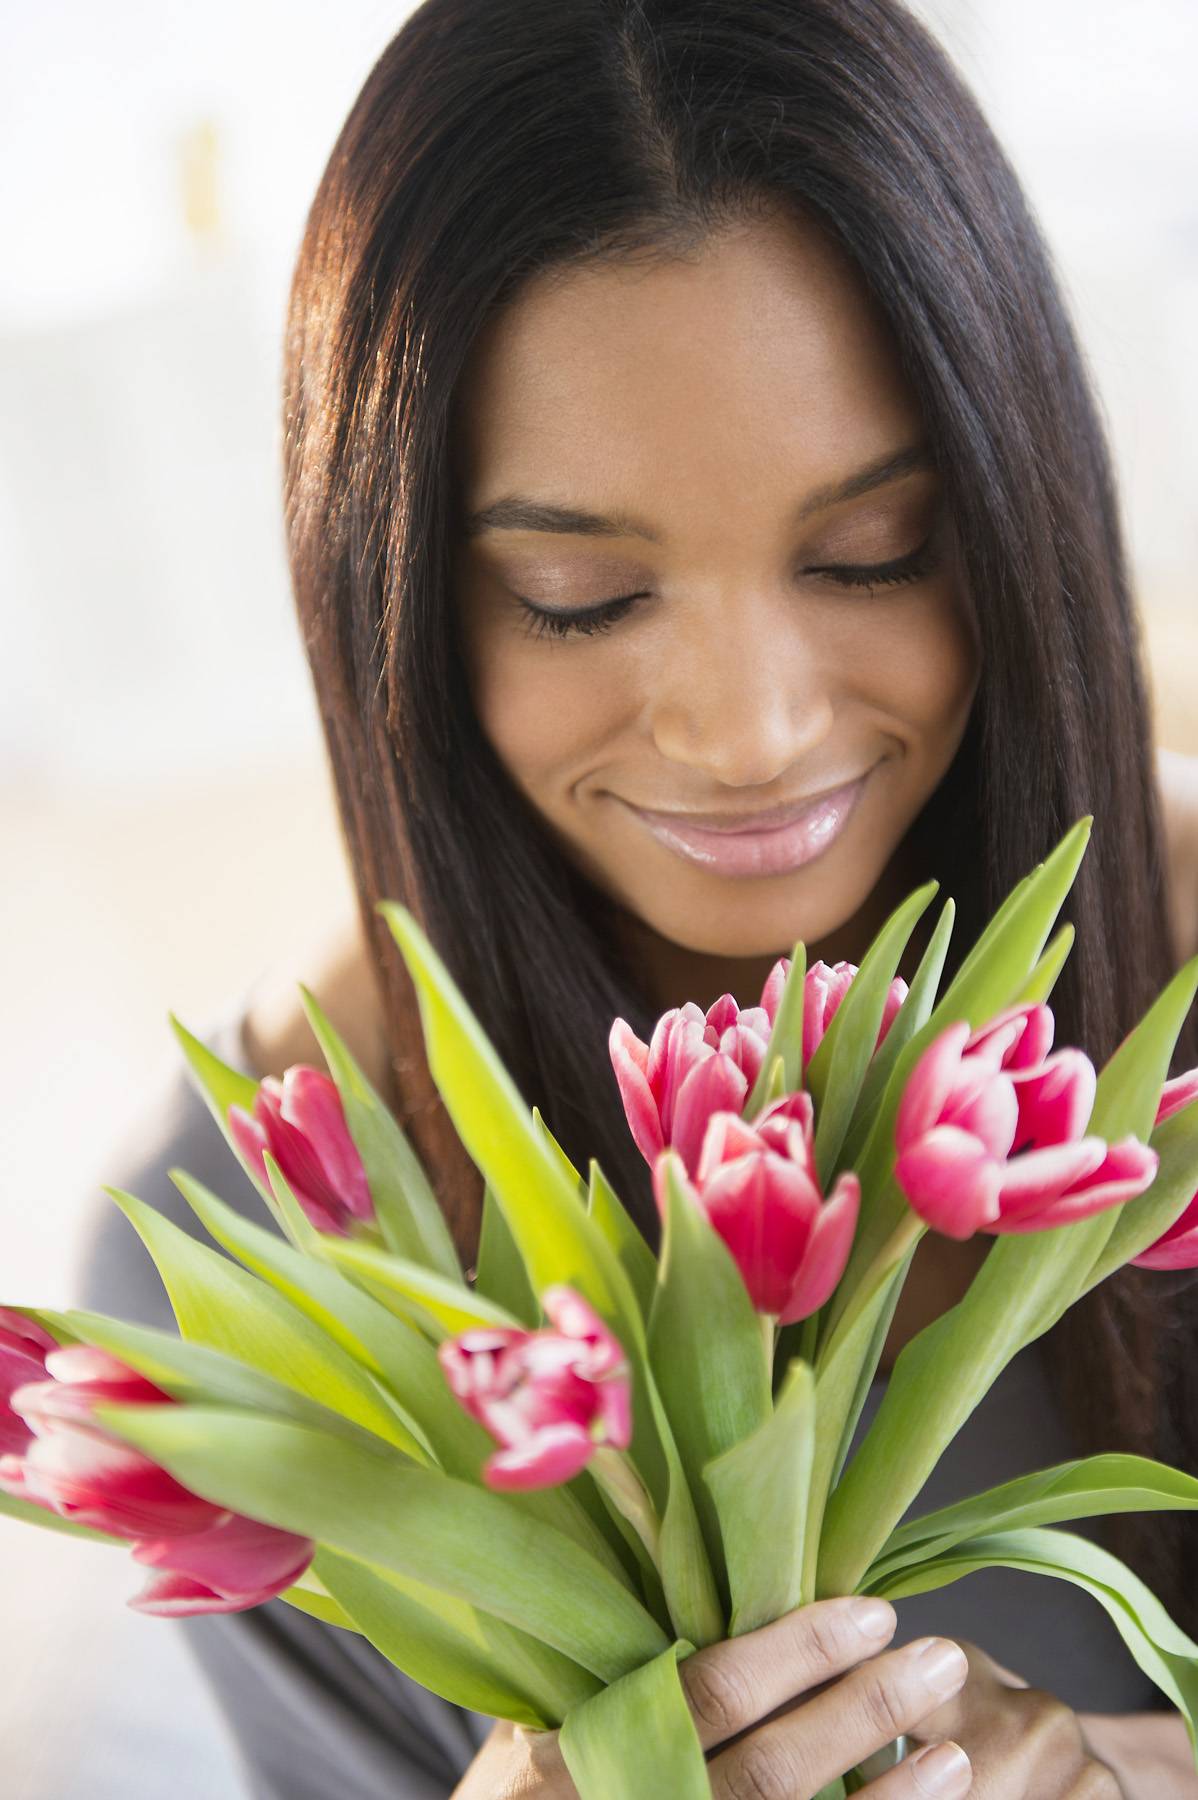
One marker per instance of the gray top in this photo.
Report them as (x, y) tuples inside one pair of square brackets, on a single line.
[(316, 1710)]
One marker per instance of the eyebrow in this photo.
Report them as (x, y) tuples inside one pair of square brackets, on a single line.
[(515, 512)]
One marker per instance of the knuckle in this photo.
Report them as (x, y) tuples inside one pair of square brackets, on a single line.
[(1097, 1782), (824, 1638), (762, 1772), (1049, 1717), (882, 1703), (717, 1692)]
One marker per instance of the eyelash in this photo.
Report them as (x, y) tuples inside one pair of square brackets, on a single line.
[(602, 617)]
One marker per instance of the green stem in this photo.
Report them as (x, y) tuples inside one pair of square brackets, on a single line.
[(615, 1474), (769, 1340)]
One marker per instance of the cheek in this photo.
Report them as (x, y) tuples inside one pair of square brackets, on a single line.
[(923, 665), (545, 708)]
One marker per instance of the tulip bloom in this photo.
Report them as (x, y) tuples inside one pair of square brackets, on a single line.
[(549, 1397), (1178, 1248), (211, 1560), (990, 1127), (695, 1064), (300, 1120), (757, 1183), (23, 1349), (824, 987), (699, 1063)]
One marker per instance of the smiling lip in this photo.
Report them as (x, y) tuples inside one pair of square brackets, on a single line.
[(800, 835)]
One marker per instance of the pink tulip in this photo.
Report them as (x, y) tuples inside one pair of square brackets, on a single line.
[(212, 1560), (1178, 1248), (758, 1186), (694, 1065), (990, 1127), (824, 987), (300, 1120), (23, 1348), (549, 1397)]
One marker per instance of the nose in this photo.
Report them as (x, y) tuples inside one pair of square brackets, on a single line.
[(738, 710)]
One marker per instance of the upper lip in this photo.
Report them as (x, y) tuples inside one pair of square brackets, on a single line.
[(761, 820)]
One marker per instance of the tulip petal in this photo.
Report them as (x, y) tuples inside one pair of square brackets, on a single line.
[(171, 1596), (552, 1455), (234, 1555), (1055, 1098), (771, 992), (1174, 1095), (929, 1085), (313, 1105), (711, 1086), (1037, 1177), (1178, 1248), (628, 1057), (950, 1180), (102, 1483), (827, 1250)]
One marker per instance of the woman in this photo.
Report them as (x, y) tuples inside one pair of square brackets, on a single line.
[(683, 426)]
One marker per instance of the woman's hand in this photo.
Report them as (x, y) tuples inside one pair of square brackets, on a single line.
[(760, 1745), (1023, 1743)]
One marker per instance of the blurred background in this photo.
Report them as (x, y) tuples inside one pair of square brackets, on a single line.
[(166, 822)]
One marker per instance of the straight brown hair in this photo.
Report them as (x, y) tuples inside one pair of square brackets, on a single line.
[(496, 139)]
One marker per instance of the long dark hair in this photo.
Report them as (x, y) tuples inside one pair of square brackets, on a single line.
[(494, 139)]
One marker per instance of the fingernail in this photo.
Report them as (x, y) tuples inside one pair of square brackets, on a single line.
[(940, 1664), (873, 1618), (942, 1769)]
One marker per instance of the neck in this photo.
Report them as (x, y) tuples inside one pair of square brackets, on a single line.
[(670, 974)]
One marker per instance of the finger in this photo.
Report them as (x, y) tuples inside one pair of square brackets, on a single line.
[(818, 1740), (942, 1770), (736, 1682)]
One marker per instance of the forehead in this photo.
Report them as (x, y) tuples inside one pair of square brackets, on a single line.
[(762, 354)]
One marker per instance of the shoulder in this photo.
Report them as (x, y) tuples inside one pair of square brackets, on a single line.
[(1177, 784), (275, 1030)]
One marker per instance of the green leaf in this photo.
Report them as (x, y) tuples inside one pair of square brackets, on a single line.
[(1082, 1489), (397, 1355), (911, 1015), (197, 1372), (219, 1304), (220, 1086), (706, 1348), (624, 1236), (1164, 1652), (637, 1737), (563, 1161), (501, 1275), (413, 1292), (1028, 1280), (455, 1649), (1043, 978), (760, 1488), (688, 1583), (405, 1205), (1143, 1220), (376, 1505), (319, 1604), (557, 1239), (786, 1037), (837, 1069), (392, 1350)]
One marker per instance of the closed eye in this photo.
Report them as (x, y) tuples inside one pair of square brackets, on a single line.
[(587, 621)]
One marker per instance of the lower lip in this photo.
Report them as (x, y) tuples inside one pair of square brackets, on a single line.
[(774, 852)]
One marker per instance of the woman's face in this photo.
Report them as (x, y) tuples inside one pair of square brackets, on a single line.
[(705, 407)]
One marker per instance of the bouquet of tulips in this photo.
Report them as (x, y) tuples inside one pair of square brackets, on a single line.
[(537, 1490)]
